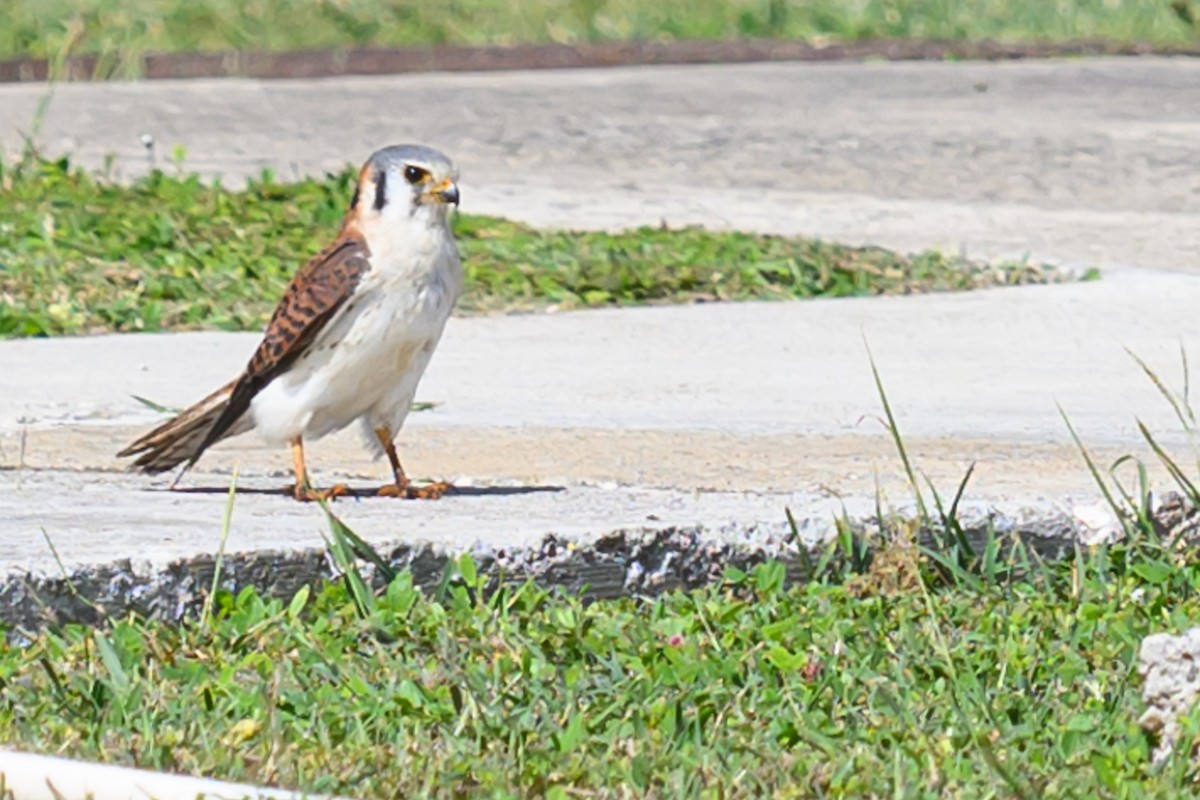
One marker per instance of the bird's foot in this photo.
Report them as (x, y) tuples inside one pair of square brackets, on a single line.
[(307, 494), (430, 491)]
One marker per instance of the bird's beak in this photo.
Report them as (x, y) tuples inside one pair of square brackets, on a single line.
[(445, 192)]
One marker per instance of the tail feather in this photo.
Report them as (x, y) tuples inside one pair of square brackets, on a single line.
[(182, 438)]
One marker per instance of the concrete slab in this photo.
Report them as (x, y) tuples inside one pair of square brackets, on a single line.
[(107, 510), (1088, 161), (775, 399), (974, 365)]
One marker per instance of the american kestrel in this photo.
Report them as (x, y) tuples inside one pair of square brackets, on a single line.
[(352, 335)]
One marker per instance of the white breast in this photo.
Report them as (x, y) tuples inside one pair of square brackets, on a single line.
[(367, 361)]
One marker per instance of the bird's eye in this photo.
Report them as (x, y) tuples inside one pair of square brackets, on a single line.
[(414, 174)]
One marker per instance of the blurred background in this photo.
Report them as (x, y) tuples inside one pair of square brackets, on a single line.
[(121, 31)]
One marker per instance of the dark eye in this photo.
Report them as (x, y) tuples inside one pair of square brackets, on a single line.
[(414, 174)]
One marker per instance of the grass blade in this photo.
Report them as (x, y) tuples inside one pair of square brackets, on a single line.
[(801, 549), (1177, 474), (1140, 504), (153, 406), (896, 438), (1187, 384), (1180, 405), (342, 549), (1167, 394), (962, 488), (119, 678), (1100, 482), (71, 587), (359, 547), (206, 613)]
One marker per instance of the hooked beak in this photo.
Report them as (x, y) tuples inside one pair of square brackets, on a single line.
[(445, 192)]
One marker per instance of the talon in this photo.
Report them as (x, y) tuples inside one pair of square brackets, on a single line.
[(307, 494), (432, 491), (335, 491), (402, 487)]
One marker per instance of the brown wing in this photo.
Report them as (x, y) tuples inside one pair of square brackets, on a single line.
[(313, 297)]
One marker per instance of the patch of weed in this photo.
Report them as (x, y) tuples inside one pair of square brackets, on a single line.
[(81, 254), (745, 688)]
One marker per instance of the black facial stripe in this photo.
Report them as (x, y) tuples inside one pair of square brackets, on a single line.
[(380, 190), (354, 200)]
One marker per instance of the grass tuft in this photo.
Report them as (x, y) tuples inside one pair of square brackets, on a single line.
[(82, 254)]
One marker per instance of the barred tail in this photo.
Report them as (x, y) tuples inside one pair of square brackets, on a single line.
[(182, 438)]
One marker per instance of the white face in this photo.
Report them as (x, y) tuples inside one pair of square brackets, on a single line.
[(410, 191)]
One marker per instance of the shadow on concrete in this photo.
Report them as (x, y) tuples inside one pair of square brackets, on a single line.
[(371, 492)]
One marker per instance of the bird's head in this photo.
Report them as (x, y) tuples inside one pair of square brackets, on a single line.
[(405, 183)]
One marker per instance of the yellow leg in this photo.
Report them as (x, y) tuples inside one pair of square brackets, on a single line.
[(303, 491), (299, 470), (384, 435), (403, 486)]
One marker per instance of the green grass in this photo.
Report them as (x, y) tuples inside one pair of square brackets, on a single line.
[(935, 670), (82, 254), (121, 30), (840, 688)]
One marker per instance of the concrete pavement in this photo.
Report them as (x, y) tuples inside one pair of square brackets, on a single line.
[(1086, 161), (755, 406), (705, 418)]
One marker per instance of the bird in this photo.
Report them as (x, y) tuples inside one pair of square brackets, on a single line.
[(350, 338)]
